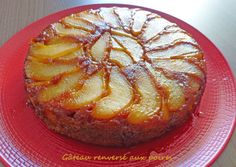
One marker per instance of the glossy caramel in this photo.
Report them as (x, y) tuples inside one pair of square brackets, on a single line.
[(161, 64)]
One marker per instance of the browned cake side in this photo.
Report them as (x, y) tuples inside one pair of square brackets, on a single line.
[(114, 76)]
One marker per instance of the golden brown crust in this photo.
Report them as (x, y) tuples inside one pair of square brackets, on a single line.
[(150, 58)]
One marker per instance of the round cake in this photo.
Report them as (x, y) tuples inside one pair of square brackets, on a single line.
[(114, 76)]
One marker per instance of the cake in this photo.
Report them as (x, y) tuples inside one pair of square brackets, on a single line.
[(114, 76)]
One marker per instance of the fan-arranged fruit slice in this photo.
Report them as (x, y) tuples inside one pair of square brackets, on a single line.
[(121, 32), (40, 71), (150, 100), (131, 45), (109, 17), (175, 93), (93, 17), (52, 51), (182, 49), (66, 83), (167, 39), (153, 27), (78, 22), (91, 91), (139, 18), (125, 16), (70, 57), (120, 96), (100, 47), (172, 28), (120, 57), (179, 65), (63, 31)]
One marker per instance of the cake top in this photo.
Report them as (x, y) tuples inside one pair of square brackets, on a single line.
[(115, 62)]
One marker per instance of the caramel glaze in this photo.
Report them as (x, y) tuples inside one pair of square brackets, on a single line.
[(90, 66)]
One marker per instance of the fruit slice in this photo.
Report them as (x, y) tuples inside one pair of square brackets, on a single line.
[(63, 31), (98, 50), (120, 96), (60, 40), (78, 22), (178, 65), (92, 90), (168, 38), (150, 100), (173, 28), (70, 57), (42, 51), (125, 16), (132, 46), (154, 26), (139, 19), (40, 71), (175, 93), (109, 17), (66, 83), (120, 57), (93, 17), (121, 32), (173, 51)]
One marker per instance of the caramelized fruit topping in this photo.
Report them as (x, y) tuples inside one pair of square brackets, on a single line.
[(118, 61)]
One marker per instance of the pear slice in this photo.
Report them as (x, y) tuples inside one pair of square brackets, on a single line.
[(120, 96), (93, 17), (174, 51), (109, 17), (169, 38), (52, 51), (173, 28), (131, 45), (153, 27), (40, 71), (98, 50), (150, 100), (61, 40), (175, 92), (70, 57), (91, 91), (125, 16), (63, 31), (139, 18), (121, 32), (66, 83), (120, 57), (78, 22), (179, 65)]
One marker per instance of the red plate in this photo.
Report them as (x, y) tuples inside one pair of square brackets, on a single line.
[(26, 141)]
